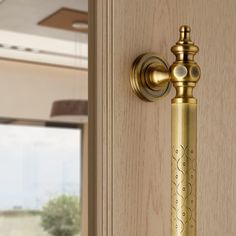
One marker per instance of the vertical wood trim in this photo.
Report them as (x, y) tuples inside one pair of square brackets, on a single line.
[(101, 117)]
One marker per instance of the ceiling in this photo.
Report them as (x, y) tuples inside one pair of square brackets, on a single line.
[(24, 15), (22, 38)]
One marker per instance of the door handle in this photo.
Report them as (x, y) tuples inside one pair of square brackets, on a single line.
[(151, 78)]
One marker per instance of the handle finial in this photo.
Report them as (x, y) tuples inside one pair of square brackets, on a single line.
[(184, 33), (184, 72)]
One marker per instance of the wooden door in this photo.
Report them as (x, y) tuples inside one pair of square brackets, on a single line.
[(129, 180)]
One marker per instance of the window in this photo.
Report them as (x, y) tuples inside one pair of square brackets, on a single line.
[(38, 165)]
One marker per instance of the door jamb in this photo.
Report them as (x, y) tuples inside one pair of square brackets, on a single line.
[(101, 114)]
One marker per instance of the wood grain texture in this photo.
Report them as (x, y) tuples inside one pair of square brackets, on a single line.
[(101, 112), (131, 138)]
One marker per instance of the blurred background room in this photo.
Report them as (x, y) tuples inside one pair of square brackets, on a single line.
[(43, 117)]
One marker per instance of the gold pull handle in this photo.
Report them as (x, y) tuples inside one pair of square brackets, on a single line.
[(151, 78)]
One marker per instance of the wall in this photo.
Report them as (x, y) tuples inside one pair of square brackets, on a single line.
[(28, 90)]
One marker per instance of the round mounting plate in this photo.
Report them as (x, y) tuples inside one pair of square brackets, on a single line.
[(139, 72)]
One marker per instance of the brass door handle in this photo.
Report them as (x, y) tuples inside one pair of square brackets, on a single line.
[(151, 78)]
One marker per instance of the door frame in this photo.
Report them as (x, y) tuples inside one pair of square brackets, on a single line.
[(101, 114)]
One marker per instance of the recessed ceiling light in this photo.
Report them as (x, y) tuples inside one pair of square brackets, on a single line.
[(67, 19), (80, 25)]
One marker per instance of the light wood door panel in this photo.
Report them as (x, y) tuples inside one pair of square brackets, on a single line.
[(132, 141)]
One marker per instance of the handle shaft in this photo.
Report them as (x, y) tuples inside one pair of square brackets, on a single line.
[(183, 164)]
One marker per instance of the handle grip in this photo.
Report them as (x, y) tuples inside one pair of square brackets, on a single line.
[(183, 168)]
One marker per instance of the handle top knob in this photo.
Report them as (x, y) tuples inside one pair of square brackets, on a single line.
[(185, 28), (185, 35), (184, 49)]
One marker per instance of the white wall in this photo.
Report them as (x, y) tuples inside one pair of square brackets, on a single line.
[(28, 90)]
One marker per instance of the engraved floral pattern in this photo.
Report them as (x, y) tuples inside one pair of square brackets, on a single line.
[(183, 191)]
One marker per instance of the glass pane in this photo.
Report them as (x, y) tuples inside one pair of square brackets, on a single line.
[(40, 179)]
